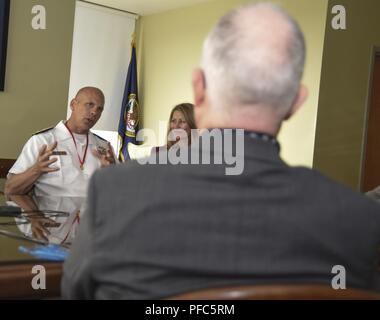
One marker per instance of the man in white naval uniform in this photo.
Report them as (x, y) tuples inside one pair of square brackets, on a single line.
[(59, 161)]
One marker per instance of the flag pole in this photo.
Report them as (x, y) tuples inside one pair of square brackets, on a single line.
[(133, 44)]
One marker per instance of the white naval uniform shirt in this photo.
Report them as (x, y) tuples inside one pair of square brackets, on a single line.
[(70, 180)]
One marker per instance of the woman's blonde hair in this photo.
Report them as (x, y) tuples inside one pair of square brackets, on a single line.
[(187, 110)]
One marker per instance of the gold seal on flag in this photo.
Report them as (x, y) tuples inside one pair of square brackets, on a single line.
[(131, 115)]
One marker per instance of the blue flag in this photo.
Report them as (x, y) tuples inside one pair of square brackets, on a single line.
[(130, 113)]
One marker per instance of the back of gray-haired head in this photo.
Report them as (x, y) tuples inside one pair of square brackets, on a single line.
[(255, 55)]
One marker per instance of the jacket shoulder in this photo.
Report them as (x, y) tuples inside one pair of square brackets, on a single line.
[(99, 137), (43, 131)]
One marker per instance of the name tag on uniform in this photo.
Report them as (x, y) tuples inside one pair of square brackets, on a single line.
[(59, 153)]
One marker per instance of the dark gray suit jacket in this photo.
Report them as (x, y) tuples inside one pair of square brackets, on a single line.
[(158, 230)]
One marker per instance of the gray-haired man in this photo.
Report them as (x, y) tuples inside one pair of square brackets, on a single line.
[(174, 229)]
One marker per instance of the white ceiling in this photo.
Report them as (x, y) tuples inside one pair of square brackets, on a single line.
[(145, 7)]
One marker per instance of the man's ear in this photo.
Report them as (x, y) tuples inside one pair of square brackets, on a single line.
[(72, 104), (301, 97), (199, 87)]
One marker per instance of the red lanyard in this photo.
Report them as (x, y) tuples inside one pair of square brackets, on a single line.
[(76, 220), (81, 161)]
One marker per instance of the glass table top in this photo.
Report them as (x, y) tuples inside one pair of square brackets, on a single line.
[(29, 221)]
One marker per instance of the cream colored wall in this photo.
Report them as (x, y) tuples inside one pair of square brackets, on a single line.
[(344, 89), (37, 76), (169, 46)]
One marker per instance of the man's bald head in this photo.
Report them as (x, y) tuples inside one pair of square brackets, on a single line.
[(86, 107), (90, 91), (255, 55)]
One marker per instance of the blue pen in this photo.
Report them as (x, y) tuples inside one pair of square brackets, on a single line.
[(50, 252), (45, 255)]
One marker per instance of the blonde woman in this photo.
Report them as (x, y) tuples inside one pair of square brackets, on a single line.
[(181, 120)]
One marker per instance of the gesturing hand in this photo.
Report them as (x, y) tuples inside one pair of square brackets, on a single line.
[(43, 161), (105, 156), (40, 227)]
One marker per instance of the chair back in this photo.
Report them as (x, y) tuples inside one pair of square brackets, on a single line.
[(279, 292), (5, 165)]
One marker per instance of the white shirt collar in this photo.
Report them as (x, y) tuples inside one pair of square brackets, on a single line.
[(61, 133)]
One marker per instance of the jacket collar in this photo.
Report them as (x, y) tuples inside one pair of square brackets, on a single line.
[(253, 145)]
